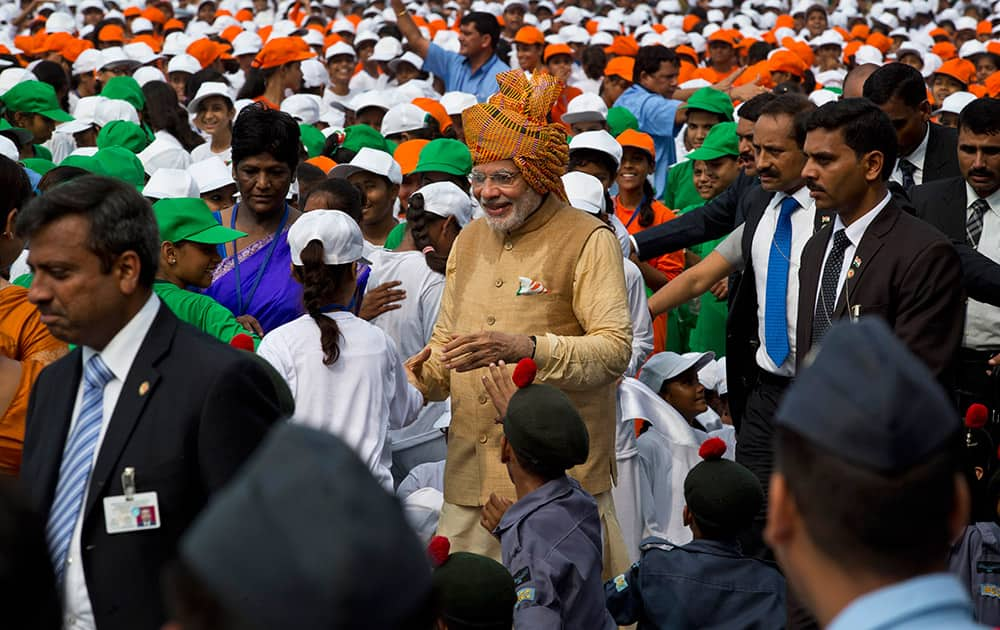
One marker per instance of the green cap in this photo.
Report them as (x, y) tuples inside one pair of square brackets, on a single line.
[(545, 429), (620, 119), (123, 133), (35, 97), (190, 219), (88, 163), (125, 89), (17, 135), (445, 155), (312, 139), (39, 165), (721, 140), (122, 164), (356, 137), (711, 100)]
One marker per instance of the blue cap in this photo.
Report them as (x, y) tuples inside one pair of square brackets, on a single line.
[(869, 401)]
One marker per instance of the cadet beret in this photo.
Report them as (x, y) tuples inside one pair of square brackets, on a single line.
[(720, 493), (306, 522), (473, 591), (869, 401), (542, 425)]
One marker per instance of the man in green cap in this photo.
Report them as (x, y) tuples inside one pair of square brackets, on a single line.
[(190, 236), (706, 108), (553, 530), (33, 105)]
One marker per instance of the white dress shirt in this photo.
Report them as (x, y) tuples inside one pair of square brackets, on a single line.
[(982, 321), (642, 325), (411, 325), (803, 223), (358, 398), (854, 233), (916, 158), (118, 355)]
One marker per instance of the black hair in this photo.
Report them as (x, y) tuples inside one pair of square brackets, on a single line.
[(792, 86), (594, 61), (55, 75), (58, 175), (797, 106), (308, 176), (808, 81), (192, 603), (389, 29), (486, 24), (896, 80), (256, 82), (260, 129), (319, 280), (120, 220), (15, 188), (981, 117), (894, 525), (346, 196), (419, 219), (204, 75), (649, 59), (758, 52), (751, 109), (865, 128), (816, 8), (163, 112), (579, 157), (26, 577), (646, 214)]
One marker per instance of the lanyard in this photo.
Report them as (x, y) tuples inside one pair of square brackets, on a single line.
[(349, 307), (635, 212), (242, 305)]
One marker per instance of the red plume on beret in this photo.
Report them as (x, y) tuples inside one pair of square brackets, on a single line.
[(976, 415), (438, 550), (524, 373), (712, 448)]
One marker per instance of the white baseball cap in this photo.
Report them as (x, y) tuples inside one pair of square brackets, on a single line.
[(87, 61), (148, 74), (12, 76), (403, 117), (170, 183), (114, 109), (61, 22), (141, 52), (664, 366), (455, 103), (387, 49), (304, 108), (247, 43), (587, 107), (115, 55), (211, 174), (868, 54), (585, 192), (371, 161), (163, 153), (819, 98), (340, 235), (206, 89), (598, 141), (8, 149), (138, 25), (176, 43), (184, 63), (409, 57), (314, 73), (445, 199), (955, 103), (971, 48), (368, 99), (340, 48)]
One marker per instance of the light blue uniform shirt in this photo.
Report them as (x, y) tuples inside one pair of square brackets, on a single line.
[(458, 76), (929, 601), (656, 117)]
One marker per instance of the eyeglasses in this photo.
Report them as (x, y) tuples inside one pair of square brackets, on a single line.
[(499, 178)]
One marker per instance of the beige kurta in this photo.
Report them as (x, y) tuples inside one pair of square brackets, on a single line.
[(582, 326)]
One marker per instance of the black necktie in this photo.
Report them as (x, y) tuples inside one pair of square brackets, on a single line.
[(907, 168), (823, 316), (974, 222)]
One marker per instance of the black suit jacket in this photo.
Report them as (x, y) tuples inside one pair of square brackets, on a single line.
[(907, 273), (942, 203), (941, 157), (191, 410)]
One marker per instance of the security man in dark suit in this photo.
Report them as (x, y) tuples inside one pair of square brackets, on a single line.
[(130, 434), (874, 259), (967, 209)]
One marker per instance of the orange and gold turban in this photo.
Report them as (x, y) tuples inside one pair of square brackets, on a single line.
[(513, 125)]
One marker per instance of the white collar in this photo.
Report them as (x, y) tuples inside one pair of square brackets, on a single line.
[(856, 230), (120, 352), (801, 195), (993, 200)]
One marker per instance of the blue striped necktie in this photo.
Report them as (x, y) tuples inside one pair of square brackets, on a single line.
[(778, 262), (77, 460)]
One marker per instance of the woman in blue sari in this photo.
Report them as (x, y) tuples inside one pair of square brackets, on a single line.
[(254, 280)]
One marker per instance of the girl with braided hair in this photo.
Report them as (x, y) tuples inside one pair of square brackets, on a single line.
[(345, 374)]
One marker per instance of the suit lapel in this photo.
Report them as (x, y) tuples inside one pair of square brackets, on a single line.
[(54, 416), (864, 255), (138, 388), (956, 207)]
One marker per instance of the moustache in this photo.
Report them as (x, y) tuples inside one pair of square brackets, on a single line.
[(813, 186), (981, 172), (768, 172)]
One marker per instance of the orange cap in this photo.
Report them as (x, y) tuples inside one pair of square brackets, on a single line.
[(787, 61), (172, 25), (155, 15), (230, 32), (759, 73), (992, 84), (980, 91), (850, 49), (726, 36), (407, 154), (638, 140), (282, 50), (111, 33), (529, 35), (55, 42), (322, 162), (961, 70), (945, 50), (436, 110), (132, 11), (623, 67), (244, 15), (623, 46), (684, 49), (843, 33), (939, 32), (784, 21), (802, 49), (880, 41), (860, 31), (556, 49), (72, 49), (993, 47), (659, 29), (206, 51), (150, 40), (690, 21)]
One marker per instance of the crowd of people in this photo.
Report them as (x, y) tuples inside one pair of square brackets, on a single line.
[(480, 315)]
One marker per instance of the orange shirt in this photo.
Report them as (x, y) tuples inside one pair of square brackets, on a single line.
[(711, 75), (267, 102), (23, 338), (671, 264), (562, 103)]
